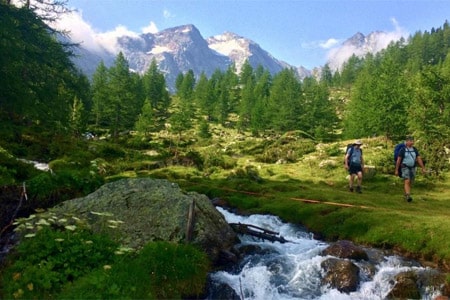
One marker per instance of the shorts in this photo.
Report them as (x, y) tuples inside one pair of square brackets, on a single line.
[(408, 173), (354, 169)]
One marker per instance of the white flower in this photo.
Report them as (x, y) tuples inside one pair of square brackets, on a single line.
[(70, 227)]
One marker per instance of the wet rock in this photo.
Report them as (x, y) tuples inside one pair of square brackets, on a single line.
[(342, 275), (433, 280), (405, 287), (153, 210), (346, 249), (222, 291)]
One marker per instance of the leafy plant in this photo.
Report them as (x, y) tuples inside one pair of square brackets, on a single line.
[(161, 270), (49, 259)]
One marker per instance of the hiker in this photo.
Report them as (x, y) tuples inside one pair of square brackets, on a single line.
[(354, 163), (406, 165)]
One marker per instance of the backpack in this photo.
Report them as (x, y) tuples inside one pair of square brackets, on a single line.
[(398, 148), (350, 146)]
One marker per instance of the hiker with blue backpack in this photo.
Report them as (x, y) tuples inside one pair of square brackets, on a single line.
[(354, 163), (406, 157)]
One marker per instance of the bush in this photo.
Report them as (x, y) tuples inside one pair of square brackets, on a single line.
[(111, 151), (52, 188), (161, 270), (49, 259), (13, 170), (214, 158), (286, 149)]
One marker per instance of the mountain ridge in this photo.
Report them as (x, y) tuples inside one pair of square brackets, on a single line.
[(183, 48)]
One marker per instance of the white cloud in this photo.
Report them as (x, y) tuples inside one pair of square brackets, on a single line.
[(374, 42), (109, 39), (151, 28), (82, 32), (167, 14), (329, 43)]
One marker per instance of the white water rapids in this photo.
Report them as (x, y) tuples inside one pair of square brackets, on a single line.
[(293, 270)]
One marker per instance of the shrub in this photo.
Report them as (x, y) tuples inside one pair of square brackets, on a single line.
[(161, 270), (50, 188), (214, 158), (249, 172), (286, 149), (49, 259), (111, 151)]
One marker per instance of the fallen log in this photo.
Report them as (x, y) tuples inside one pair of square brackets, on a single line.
[(259, 232)]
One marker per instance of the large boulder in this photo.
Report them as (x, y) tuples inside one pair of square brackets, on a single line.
[(346, 249), (340, 274), (152, 210), (405, 287)]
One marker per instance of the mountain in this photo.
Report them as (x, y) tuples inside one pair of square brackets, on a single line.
[(182, 48), (360, 45)]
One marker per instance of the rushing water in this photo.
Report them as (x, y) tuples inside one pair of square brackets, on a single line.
[(293, 270)]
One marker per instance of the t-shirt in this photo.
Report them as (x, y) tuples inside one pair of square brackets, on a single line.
[(409, 156)]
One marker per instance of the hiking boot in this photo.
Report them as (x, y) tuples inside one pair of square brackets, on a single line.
[(350, 189), (358, 189), (408, 198)]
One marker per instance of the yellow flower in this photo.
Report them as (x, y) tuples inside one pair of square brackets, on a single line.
[(107, 267), (30, 286), (16, 276), (18, 294)]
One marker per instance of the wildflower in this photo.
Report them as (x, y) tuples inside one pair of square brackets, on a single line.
[(30, 235), (16, 276), (42, 222), (18, 294), (70, 227)]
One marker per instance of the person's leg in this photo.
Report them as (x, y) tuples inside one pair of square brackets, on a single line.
[(350, 181), (406, 174), (360, 175), (407, 186)]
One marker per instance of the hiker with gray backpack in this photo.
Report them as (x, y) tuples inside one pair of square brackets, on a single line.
[(406, 157), (354, 163)]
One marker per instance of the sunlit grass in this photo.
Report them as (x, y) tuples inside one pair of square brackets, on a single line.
[(379, 216)]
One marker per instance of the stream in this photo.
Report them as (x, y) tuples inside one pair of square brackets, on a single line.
[(293, 270)]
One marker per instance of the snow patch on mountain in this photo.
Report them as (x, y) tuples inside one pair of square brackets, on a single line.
[(360, 45), (232, 45)]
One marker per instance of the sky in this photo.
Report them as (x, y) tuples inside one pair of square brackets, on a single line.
[(299, 32)]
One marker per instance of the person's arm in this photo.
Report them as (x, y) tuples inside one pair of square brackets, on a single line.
[(397, 164), (346, 160), (420, 162)]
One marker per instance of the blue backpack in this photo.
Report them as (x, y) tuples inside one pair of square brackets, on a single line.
[(350, 147), (397, 149)]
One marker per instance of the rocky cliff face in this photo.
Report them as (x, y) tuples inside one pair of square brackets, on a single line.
[(154, 210), (180, 49)]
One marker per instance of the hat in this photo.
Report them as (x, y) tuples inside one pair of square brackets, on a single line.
[(358, 142), (409, 138)]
